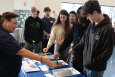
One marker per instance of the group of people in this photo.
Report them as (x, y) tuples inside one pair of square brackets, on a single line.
[(89, 30)]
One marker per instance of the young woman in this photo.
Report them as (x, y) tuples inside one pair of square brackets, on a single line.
[(10, 51), (59, 31), (75, 35)]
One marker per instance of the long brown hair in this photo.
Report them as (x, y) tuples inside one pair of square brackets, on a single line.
[(7, 16), (67, 24)]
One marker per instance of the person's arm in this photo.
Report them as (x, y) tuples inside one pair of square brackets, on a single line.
[(51, 39), (80, 45), (107, 42), (28, 54), (47, 34), (67, 41)]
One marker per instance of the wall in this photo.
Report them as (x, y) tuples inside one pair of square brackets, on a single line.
[(6, 5), (19, 4), (56, 4)]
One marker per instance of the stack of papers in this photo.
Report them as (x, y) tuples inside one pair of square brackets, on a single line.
[(30, 67)]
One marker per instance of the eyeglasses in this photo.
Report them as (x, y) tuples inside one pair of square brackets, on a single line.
[(15, 23)]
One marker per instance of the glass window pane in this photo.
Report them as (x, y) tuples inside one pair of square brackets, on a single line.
[(67, 6), (106, 10), (77, 6), (113, 16)]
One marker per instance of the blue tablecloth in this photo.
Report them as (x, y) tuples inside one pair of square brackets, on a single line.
[(41, 73)]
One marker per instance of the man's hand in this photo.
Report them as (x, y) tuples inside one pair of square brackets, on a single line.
[(71, 51), (56, 55), (47, 61), (45, 50), (48, 36)]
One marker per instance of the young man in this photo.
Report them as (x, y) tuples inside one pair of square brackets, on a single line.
[(72, 16), (97, 40), (33, 32), (47, 25)]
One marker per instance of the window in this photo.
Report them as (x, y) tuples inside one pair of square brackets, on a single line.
[(77, 6), (67, 6), (113, 16)]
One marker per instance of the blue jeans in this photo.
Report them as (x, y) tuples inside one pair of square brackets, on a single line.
[(91, 73), (36, 47)]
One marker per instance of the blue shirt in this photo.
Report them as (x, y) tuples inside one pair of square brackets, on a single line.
[(10, 63), (47, 25)]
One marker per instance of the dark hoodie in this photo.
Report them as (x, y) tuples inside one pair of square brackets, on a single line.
[(33, 30), (98, 45), (75, 34)]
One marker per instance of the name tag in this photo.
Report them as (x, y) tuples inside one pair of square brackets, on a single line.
[(51, 21)]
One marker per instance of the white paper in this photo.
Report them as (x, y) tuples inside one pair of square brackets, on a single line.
[(24, 62), (48, 75), (44, 68), (30, 67), (30, 61)]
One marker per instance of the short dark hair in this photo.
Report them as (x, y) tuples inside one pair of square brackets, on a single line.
[(7, 16), (73, 12), (91, 6), (38, 11), (47, 9)]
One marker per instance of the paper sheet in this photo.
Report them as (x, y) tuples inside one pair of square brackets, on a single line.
[(43, 68), (24, 62), (30, 67), (48, 75)]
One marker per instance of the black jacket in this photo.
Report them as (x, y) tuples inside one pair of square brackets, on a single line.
[(98, 45), (75, 34), (33, 30)]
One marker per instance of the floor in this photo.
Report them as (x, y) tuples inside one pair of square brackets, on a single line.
[(110, 71)]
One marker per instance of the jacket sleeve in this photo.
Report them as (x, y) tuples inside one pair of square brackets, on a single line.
[(25, 29), (107, 48), (41, 31), (67, 41), (52, 36), (80, 45)]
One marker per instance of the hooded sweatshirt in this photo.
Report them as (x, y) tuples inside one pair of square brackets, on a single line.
[(98, 45), (33, 30)]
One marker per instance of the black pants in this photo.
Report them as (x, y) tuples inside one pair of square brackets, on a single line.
[(78, 65), (44, 45)]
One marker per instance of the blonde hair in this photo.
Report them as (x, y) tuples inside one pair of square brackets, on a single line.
[(33, 9)]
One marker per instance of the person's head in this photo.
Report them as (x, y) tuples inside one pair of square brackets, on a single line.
[(81, 20), (79, 13), (8, 21), (38, 13), (72, 16), (63, 18), (91, 10), (47, 11), (34, 12)]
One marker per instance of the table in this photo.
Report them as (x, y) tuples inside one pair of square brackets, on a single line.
[(41, 73)]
